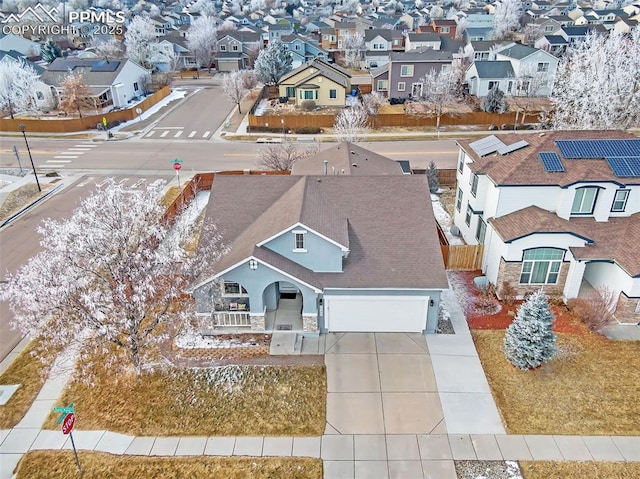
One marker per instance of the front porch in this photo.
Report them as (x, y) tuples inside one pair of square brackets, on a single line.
[(287, 316)]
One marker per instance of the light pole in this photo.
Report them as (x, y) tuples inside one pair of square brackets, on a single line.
[(30, 157)]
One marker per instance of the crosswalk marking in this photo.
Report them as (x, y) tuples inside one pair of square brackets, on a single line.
[(74, 151), (164, 133), (86, 146), (178, 133), (151, 133), (66, 156), (206, 134), (192, 134), (58, 161)]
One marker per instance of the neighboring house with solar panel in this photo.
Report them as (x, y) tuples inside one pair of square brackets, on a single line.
[(110, 82), (557, 210)]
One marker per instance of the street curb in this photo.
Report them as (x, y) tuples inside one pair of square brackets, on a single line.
[(15, 216)]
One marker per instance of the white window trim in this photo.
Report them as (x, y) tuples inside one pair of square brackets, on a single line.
[(295, 234), (410, 67), (401, 86), (386, 88)]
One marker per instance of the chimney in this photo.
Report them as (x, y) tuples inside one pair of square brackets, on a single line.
[(326, 166)]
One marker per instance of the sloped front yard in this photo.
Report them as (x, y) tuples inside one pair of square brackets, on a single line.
[(223, 401)]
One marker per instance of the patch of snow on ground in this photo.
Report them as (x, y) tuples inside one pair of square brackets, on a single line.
[(261, 108), (192, 339), (445, 221), (197, 205), (459, 287), (176, 94)]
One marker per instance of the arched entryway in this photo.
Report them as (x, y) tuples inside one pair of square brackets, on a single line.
[(283, 302)]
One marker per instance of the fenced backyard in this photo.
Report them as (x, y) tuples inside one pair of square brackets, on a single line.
[(89, 122), (462, 257)]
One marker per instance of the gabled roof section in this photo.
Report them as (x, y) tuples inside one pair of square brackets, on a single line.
[(421, 55), (534, 220), (517, 51), (494, 69), (347, 159), (330, 70), (392, 235)]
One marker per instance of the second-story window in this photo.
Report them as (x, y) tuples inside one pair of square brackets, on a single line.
[(299, 245), (406, 70), (620, 201), (584, 201), (474, 184), (459, 200)]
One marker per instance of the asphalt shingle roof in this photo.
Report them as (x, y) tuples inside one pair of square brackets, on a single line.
[(608, 240), (494, 69), (388, 221), (347, 159), (523, 167)]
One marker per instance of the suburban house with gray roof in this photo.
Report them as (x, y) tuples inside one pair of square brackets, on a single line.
[(406, 71), (324, 83), (110, 82), (557, 210), (324, 253), (511, 67)]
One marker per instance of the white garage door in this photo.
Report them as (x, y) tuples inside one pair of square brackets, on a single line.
[(376, 313)]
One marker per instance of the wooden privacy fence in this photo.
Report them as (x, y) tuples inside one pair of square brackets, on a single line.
[(88, 122), (388, 119), (463, 257)]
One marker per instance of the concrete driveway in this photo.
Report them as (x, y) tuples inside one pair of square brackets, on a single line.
[(381, 383)]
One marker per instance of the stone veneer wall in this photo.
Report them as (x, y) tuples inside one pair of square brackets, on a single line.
[(310, 324), (626, 310), (511, 272), (257, 322)]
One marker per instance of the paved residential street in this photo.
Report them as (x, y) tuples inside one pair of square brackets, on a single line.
[(19, 240), (195, 118), (140, 154)]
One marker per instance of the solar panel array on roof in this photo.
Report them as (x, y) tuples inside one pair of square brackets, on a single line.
[(104, 66), (513, 147), (573, 149), (551, 162), (487, 145), (95, 65), (625, 166)]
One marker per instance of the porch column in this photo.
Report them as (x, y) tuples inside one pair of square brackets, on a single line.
[(574, 279)]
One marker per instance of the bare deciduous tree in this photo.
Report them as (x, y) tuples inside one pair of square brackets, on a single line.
[(18, 84), (530, 85), (233, 87), (139, 37), (350, 124), (201, 40), (353, 47), (372, 102), (437, 93), (598, 84), (116, 270), (75, 95), (282, 156)]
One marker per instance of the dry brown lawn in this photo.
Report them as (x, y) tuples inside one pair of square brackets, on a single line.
[(591, 388), (224, 401), (96, 465), (580, 470), (170, 195), (21, 197), (29, 372)]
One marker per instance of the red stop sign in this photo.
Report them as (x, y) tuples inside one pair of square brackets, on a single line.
[(67, 424), (177, 166)]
